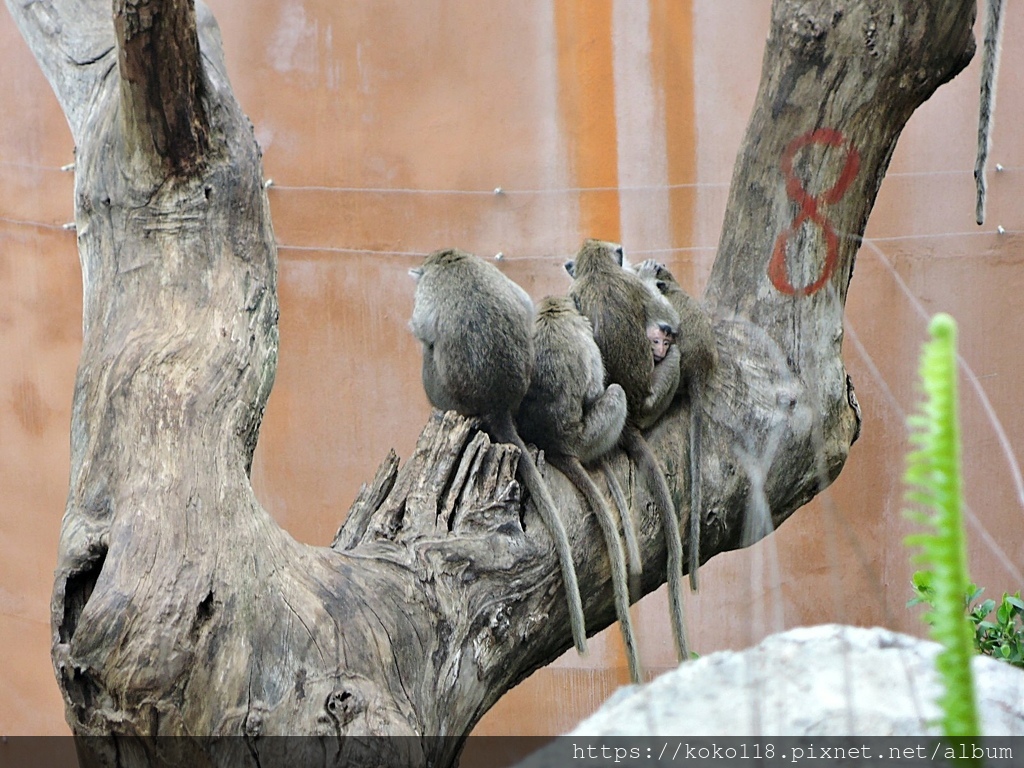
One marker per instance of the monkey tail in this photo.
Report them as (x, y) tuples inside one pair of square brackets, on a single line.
[(505, 431), (571, 467), (640, 452), (628, 529), (989, 69), (696, 516)]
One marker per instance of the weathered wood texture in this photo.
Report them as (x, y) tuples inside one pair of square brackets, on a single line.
[(180, 607)]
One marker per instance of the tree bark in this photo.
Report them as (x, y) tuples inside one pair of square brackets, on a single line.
[(179, 606)]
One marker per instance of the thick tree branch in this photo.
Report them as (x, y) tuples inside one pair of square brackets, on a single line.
[(180, 607), (73, 41), (161, 81), (839, 81)]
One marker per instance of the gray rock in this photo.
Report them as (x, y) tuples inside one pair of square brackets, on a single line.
[(827, 680)]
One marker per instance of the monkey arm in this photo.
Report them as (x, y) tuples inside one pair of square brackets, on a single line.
[(664, 384), (698, 352), (423, 323), (602, 423)]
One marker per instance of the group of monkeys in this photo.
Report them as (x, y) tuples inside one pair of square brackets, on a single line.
[(578, 377), (586, 373)]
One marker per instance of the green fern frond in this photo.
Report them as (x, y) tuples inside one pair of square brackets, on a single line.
[(933, 480)]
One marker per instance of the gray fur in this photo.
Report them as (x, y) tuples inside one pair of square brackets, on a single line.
[(698, 357), (695, 338), (617, 304), (665, 379), (476, 329), (620, 307), (636, 564), (573, 417), (567, 408)]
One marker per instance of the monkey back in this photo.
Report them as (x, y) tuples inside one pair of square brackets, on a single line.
[(615, 303), (476, 328)]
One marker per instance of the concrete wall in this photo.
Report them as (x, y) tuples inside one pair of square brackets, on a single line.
[(386, 128)]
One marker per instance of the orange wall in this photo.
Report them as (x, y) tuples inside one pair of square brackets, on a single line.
[(386, 128)]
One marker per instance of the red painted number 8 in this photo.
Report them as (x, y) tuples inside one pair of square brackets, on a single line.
[(809, 212)]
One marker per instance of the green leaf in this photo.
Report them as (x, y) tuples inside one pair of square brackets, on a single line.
[(921, 579), (934, 501)]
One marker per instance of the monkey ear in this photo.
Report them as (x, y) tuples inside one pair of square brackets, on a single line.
[(661, 285), (576, 302), (416, 273), (570, 267), (620, 254)]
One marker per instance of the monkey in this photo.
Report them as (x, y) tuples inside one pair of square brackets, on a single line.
[(662, 339), (661, 330), (662, 321), (698, 357), (989, 70), (475, 326), (621, 307), (574, 418), (567, 408), (665, 382), (695, 339)]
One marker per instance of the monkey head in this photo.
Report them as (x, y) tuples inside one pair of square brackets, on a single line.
[(594, 254), (662, 338)]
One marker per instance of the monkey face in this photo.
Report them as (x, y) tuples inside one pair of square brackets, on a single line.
[(661, 338)]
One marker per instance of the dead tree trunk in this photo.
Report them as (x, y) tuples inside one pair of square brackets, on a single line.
[(181, 608)]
